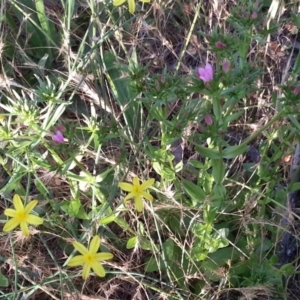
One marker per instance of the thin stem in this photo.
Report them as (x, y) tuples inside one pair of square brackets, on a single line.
[(259, 131), (196, 17)]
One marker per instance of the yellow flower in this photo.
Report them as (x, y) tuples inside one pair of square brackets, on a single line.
[(131, 4), (21, 216), (137, 191), (90, 258)]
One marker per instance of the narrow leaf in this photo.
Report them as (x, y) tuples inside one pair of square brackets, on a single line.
[(194, 191), (208, 152), (234, 151), (3, 280)]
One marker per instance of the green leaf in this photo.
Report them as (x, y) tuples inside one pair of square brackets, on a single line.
[(194, 191), (288, 269), (223, 255), (42, 65), (179, 167), (295, 187), (233, 117), (218, 170), (234, 151), (219, 191), (163, 156), (264, 246), (3, 281), (123, 224), (131, 242), (47, 27), (208, 152), (120, 83), (40, 187), (198, 252), (209, 215), (211, 270), (168, 174), (74, 209), (151, 265), (168, 247), (107, 220), (221, 237), (133, 61), (157, 167), (145, 244), (102, 176), (295, 18)]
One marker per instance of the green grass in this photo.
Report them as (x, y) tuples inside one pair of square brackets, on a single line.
[(124, 91)]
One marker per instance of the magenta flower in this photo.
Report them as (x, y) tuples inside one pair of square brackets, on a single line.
[(226, 66), (208, 120), (254, 15), (297, 90), (220, 45), (58, 137), (206, 74)]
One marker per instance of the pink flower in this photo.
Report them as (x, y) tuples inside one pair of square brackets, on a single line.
[(206, 74), (254, 15), (297, 90), (256, 4), (226, 66), (58, 137), (220, 45), (208, 120)]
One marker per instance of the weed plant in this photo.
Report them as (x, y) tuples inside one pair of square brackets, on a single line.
[(152, 136)]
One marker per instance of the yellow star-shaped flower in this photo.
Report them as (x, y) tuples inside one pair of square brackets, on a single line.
[(21, 216), (89, 258), (131, 4), (137, 191)]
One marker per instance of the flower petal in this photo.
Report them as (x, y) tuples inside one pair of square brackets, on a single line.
[(209, 72), (30, 206), (129, 196), (136, 181), (147, 196), (103, 256), (118, 2), (98, 269), (203, 74), (138, 202), (34, 220), (24, 228), (18, 204), (127, 187), (11, 225), (209, 68), (147, 183), (10, 212), (77, 260), (58, 137), (80, 248), (94, 245), (200, 72), (86, 271), (131, 5)]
